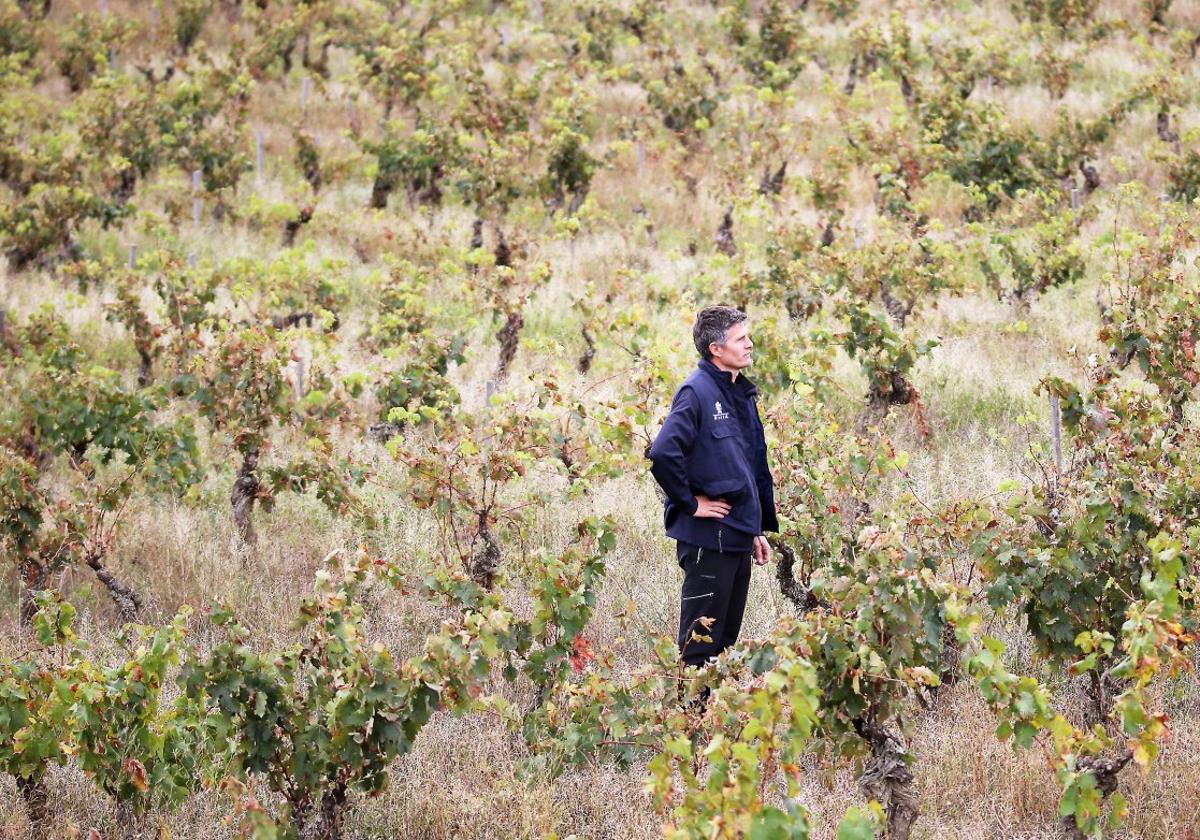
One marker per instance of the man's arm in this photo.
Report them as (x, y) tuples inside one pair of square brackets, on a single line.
[(671, 447), (766, 485)]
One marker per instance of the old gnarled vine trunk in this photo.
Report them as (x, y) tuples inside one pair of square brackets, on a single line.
[(486, 560), (887, 779), (507, 336), (37, 805), (34, 576), (242, 497), (1105, 770), (127, 600), (325, 821)]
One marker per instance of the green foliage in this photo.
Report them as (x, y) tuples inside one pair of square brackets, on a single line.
[(293, 280), (1078, 565), (1065, 14), (85, 47), (18, 34), (138, 752), (991, 157), (77, 409), (1161, 337), (127, 310), (684, 99), (1184, 177), (190, 17), (1151, 315), (112, 440), (199, 126), (118, 115), (774, 55), (329, 717), (744, 733), (240, 387), (417, 162), (323, 718), (406, 330), (186, 294), (419, 386), (395, 66), (108, 718), (44, 222), (861, 823), (333, 483), (404, 306), (23, 504), (903, 269), (490, 176), (1092, 561), (884, 355), (35, 719), (1052, 256), (569, 167), (836, 9)]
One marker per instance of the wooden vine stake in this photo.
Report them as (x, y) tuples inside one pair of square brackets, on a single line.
[(489, 388), (196, 203), (299, 383), (297, 372), (258, 157), (1056, 434), (112, 57), (504, 41)]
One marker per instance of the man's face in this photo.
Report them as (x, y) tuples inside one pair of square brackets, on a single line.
[(735, 352)]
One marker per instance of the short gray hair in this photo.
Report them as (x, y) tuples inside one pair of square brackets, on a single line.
[(712, 323)]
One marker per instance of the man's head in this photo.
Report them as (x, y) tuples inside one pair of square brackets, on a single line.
[(721, 336)]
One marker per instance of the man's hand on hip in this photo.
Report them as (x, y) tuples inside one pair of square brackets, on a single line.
[(707, 508), (762, 551)]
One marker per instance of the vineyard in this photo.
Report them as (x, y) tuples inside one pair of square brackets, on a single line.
[(333, 337)]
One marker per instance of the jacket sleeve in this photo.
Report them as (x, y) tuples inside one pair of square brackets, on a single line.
[(766, 485), (671, 447), (766, 495)]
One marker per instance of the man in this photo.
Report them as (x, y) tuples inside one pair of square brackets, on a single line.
[(711, 461)]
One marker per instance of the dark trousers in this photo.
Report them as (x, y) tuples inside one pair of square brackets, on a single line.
[(715, 584)]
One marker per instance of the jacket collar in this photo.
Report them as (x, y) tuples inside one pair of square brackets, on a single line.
[(725, 379)]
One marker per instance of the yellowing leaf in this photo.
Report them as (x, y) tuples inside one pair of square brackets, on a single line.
[(1141, 755)]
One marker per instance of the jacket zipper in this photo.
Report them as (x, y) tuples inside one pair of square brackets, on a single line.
[(699, 554), (720, 545)]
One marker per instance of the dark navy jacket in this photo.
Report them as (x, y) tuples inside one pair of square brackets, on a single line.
[(712, 444)]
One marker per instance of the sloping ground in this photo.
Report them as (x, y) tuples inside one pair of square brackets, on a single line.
[(673, 115)]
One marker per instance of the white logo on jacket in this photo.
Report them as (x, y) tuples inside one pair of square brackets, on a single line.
[(720, 414)]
